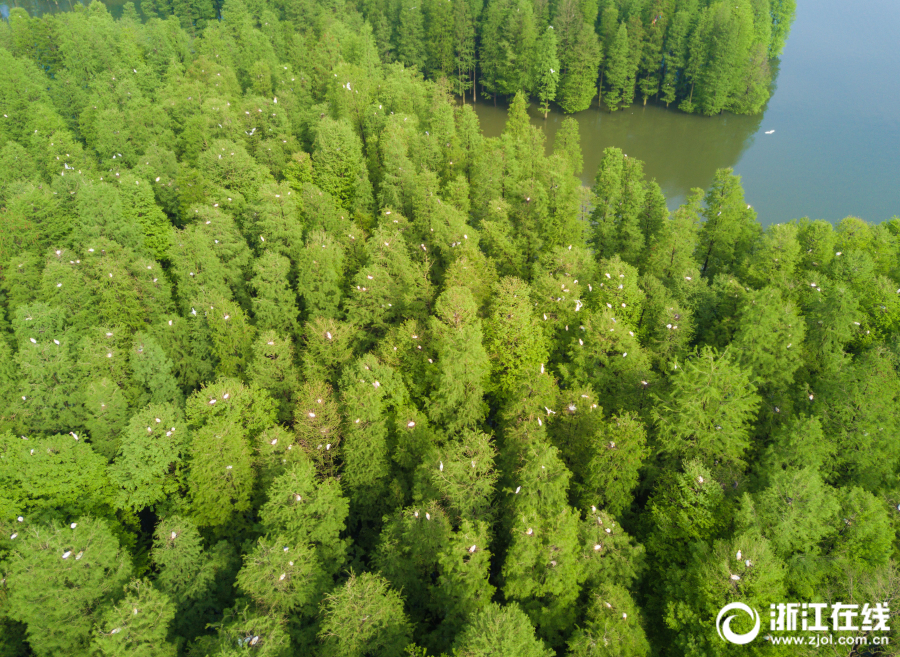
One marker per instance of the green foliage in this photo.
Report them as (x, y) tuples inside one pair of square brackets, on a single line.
[(707, 411), (363, 616), (462, 363), (149, 466), (310, 512), (121, 631), (78, 568), (56, 477), (504, 629), (612, 626), (295, 360)]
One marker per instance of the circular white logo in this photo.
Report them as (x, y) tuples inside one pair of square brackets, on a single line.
[(724, 629)]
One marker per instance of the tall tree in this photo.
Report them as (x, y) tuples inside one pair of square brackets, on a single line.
[(462, 367), (547, 70), (362, 617)]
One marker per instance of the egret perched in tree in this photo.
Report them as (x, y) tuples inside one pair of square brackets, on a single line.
[(549, 412), (518, 488), (529, 532), (735, 577), (472, 549), (174, 534), (739, 555), (410, 424), (441, 466), (66, 554), (73, 525)]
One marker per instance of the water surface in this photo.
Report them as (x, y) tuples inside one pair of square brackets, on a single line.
[(836, 115)]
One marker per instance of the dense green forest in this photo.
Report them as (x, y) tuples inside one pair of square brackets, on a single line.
[(703, 55), (294, 361)]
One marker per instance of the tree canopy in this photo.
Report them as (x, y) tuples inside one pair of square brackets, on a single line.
[(295, 360)]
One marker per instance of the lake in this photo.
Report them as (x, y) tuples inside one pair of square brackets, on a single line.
[(836, 115)]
